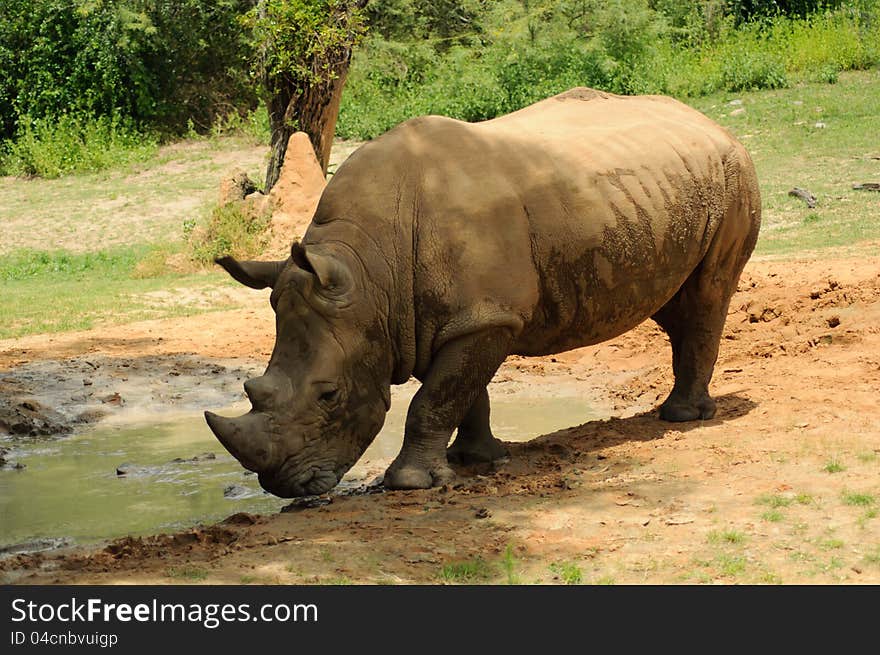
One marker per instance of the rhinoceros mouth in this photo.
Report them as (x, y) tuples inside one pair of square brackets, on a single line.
[(313, 482)]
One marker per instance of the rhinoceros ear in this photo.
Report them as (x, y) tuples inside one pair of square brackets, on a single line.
[(256, 275), (333, 275)]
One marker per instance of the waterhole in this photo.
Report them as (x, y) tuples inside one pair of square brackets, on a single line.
[(141, 478)]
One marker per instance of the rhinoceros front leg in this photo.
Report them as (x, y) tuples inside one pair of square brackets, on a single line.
[(459, 373), (475, 442)]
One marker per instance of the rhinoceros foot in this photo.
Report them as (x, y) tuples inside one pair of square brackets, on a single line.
[(476, 452), (415, 476), (678, 411)]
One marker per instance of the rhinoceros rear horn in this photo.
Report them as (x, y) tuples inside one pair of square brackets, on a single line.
[(245, 437), (256, 275)]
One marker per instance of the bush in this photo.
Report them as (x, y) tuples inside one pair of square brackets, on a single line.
[(73, 144), (157, 64), (512, 58), (235, 228)]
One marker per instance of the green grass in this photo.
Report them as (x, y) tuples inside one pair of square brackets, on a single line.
[(779, 130), (192, 573), (133, 203), (467, 572), (775, 501), (858, 500), (773, 516), (568, 572), (61, 291), (53, 147), (726, 537), (834, 466), (508, 565)]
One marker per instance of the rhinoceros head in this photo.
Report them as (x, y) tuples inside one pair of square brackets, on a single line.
[(323, 397)]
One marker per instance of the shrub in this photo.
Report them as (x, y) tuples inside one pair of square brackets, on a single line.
[(73, 144), (236, 228)]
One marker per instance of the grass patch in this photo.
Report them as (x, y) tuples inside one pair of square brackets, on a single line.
[(726, 537), (52, 147), (831, 544), (508, 565), (834, 466), (768, 577), (235, 228), (857, 499), (873, 557), (775, 501), (467, 572), (866, 516), (192, 573), (568, 572), (730, 566), (773, 516), (61, 291), (867, 457), (778, 127), (804, 499)]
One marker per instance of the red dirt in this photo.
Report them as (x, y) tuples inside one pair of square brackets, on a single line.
[(741, 498)]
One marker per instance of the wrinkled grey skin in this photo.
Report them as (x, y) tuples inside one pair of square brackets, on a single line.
[(440, 248)]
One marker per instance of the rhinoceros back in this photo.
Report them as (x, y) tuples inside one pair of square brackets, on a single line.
[(571, 220)]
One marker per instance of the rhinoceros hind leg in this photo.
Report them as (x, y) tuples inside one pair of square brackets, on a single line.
[(475, 442), (458, 374)]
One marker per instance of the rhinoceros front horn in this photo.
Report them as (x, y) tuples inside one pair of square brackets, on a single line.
[(245, 437)]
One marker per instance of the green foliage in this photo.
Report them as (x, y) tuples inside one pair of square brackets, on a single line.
[(299, 40), (467, 572), (569, 572), (235, 228), (155, 63), (510, 53), (73, 144), (37, 264), (59, 291)]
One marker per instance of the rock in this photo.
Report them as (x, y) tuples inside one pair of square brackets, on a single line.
[(833, 321), (735, 103), (306, 502), (195, 459), (35, 546), (236, 491), (804, 195), (738, 112), (29, 418), (820, 125), (236, 186)]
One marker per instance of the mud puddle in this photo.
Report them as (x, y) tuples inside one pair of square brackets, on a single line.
[(137, 478)]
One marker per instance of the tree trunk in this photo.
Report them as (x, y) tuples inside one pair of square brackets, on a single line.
[(314, 111)]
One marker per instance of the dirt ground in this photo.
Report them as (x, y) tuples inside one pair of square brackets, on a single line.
[(782, 486)]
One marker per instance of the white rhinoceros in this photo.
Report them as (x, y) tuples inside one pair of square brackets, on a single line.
[(442, 247)]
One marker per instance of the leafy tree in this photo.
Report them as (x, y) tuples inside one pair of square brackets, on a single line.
[(303, 51), (157, 62)]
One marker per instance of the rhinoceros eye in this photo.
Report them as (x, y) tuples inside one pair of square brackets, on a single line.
[(328, 394)]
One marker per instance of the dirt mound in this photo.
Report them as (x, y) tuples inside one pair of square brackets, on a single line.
[(291, 202), (295, 196)]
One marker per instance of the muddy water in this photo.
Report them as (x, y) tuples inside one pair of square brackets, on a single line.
[(70, 488)]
